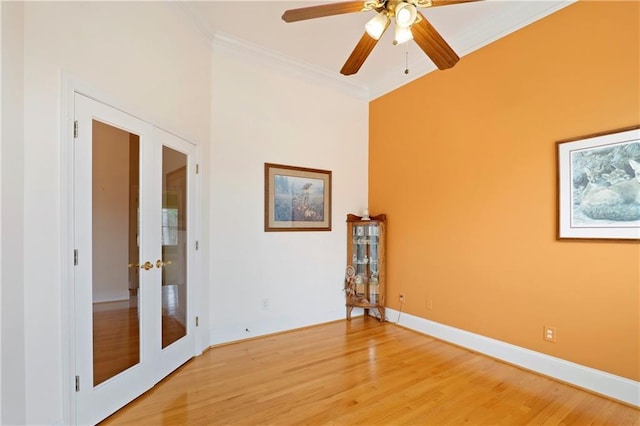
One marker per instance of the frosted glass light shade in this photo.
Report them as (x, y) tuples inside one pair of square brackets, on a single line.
[(403, 35), (376, 26), (405, 14)]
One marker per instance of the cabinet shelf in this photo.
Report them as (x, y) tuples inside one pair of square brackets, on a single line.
[(363, 305)]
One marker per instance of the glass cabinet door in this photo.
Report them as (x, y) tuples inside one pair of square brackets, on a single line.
[(374, 285), (365, 260), (365, 280), (360, 259)]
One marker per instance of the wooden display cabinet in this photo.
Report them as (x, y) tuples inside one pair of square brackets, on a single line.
[(365, 280)]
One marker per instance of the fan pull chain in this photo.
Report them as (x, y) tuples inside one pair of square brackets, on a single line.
[(406, 67)]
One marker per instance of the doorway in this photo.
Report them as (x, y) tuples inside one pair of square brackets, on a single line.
[(134, 245)]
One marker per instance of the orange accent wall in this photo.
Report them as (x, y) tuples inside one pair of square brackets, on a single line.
[(468, 182)]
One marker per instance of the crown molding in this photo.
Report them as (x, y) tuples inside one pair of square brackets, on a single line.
[(388, 82), (192, 19), (474, 38), (255, 53), (471, 39), (525, 14)]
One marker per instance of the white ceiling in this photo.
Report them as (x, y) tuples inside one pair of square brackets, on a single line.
[(322, 45)]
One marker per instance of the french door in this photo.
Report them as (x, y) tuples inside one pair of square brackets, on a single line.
[(134, 242)]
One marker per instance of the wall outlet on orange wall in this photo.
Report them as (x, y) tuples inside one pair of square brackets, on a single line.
[(549, 334), (428, 303)]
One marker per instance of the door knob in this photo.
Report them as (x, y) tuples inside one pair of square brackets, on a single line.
[(146, 266), (160, 263)]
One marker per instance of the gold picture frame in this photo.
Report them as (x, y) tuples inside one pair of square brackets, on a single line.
[(296, 198)]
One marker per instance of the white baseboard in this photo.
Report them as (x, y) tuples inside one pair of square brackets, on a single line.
[(607, 384), (111, 299), (257, 327)]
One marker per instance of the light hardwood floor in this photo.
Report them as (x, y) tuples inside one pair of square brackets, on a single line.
[(116, 334), (361, 372)]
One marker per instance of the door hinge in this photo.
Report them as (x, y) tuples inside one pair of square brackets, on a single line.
[(197, 168), (75, 129), (75, 257), (197, 245), (197, 321), (77, 383)]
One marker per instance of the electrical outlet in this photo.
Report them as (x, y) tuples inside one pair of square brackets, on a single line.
[(428, 304), (549, 334), (401, 297), (265, 304)]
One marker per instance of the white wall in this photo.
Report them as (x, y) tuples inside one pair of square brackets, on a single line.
[(1, 73), (261, 115), (12, 366), (147, 60)]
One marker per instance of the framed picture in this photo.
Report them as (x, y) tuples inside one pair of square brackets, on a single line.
[(599, 186), (296, 198)]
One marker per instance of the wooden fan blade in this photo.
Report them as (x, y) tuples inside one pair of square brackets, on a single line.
[(359, 54), (435, 3), (432, 43), (312, 12)]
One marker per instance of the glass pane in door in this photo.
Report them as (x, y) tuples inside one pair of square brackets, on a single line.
[(374, 285), (174, 245), (115, 255)]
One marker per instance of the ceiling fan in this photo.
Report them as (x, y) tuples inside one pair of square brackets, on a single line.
[(409, 24)]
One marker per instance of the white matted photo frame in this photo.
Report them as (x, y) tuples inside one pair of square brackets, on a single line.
[(296, 198), (599, 186)]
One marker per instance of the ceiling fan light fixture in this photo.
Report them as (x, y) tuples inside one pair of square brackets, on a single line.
[(376, 26), (406, 14), (403, 35)]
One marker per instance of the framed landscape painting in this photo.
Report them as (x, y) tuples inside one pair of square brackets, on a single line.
[(599, 186), (296, 198)]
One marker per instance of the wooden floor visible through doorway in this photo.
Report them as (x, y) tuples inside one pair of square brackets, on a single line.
[(361, 372), (116, 333)]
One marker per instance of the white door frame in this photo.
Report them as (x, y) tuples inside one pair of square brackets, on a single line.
[(70, 86)]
